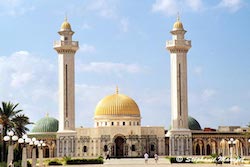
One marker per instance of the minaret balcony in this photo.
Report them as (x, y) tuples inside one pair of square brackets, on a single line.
[(66, 44), (185, 43)]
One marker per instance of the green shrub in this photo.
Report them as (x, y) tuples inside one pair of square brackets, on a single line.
[(28, 164), (214, 155), (100, 157), (66, 158), (85, 161), (3, 164), (55, 163), (19, 163)]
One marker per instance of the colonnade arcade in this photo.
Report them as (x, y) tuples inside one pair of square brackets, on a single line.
[(219, 144), (49, 151)]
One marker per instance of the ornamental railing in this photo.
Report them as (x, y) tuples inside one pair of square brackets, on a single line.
[(178, 43), (65, 43)]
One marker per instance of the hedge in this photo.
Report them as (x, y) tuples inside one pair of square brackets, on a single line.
[(84, 161), (54, 163)]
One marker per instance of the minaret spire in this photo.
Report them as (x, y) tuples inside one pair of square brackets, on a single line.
[(117, 90), (66, 17), (178, 16)]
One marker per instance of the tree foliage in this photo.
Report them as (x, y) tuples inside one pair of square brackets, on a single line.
[(11, 118)]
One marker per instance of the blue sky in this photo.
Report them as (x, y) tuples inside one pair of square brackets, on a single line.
[(122, 42)]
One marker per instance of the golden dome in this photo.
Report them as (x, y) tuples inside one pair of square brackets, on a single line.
[(117, 105), (178, 25), (65, 25)]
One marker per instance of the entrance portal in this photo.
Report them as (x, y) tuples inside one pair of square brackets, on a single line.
[(119, 146)]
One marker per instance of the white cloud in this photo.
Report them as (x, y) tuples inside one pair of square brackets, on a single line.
[(231, 5), (86, 48), (195, 5), (124, 24), (110, 67), (31, 81), (168, 7), (19, 79), (103, 8), (172, 7), (235, 108), (208, 93), (15, 7)]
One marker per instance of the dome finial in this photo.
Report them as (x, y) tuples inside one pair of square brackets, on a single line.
[(66, 17), (65, 25), (178, 16), (178, 24), (117, 90)]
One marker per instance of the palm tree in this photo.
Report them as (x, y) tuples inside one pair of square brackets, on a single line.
[(12, 119)]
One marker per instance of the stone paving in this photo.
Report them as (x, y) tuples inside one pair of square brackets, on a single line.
[(151, 163)]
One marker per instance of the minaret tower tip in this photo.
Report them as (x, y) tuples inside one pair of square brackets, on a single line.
[(117, 90), (66, 49), (178, 48)]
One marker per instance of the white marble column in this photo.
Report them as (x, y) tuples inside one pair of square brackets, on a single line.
[(24, 157), (40, 156), (10, 154), (34, 157)]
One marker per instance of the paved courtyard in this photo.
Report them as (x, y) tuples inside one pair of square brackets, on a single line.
[(151, 163)]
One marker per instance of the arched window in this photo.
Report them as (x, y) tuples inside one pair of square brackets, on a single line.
[(105, 148), (85, 149), (152, 147), (133, 147)]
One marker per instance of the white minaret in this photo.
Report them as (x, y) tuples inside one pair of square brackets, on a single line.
[(66, 49), (180, 135)]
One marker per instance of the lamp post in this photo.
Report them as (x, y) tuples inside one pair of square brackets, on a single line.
[(231, 143), (33, 143), (40, 145), (23, 141), (10, 137)]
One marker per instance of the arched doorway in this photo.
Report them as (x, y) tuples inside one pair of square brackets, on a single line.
[(197, 150), (208, 150), (46, 152), (119, 146)]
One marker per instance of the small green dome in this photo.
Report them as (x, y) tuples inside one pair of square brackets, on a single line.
[(193, 124), (46, 124)]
